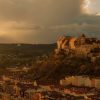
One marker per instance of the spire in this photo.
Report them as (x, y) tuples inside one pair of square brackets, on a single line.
[(83, 35)]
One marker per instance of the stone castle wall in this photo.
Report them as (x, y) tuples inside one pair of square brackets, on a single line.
[(81, 45)]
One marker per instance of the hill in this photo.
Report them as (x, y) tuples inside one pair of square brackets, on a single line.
[(57, 67), (73, 56)]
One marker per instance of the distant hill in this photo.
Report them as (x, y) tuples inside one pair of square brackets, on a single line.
[(19, 54), (33, 49)]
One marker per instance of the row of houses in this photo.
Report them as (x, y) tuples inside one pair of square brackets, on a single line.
[(81, 81)]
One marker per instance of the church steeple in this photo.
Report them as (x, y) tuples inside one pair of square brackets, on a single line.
[(83, 35)]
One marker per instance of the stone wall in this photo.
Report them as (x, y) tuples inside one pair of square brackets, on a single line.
[(81, 45)]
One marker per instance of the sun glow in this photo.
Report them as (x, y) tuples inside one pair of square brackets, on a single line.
[(85, 6)]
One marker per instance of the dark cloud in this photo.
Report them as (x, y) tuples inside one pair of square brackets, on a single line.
[(43, 20), (40, 12), (88, 24)]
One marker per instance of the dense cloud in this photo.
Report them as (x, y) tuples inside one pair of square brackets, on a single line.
[(41, 21), (40, 12)]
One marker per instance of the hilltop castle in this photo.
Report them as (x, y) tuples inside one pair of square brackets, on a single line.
[(81, 45)]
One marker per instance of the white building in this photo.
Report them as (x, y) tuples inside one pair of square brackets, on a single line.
[(81, 81)]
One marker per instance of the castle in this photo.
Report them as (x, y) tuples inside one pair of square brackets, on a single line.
[(81, 45)]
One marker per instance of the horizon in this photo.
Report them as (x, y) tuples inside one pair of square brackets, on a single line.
[(36, 43), (64, 34)]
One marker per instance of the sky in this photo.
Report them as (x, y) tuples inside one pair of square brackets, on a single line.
[(43, 21)]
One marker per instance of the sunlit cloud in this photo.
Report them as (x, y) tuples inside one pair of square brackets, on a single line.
[(91, 7), (98, 14), (86, 7), (41, 21)]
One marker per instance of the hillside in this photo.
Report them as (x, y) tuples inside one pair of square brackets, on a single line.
[(73, 56), (47, 69), (57, 67)]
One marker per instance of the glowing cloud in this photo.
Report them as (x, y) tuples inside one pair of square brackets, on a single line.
[(86, 6)]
